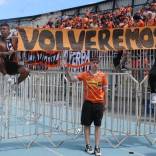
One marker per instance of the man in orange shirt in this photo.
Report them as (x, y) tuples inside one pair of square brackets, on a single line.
[(138, 21), (95, 94)]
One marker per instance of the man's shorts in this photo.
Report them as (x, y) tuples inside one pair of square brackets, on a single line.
[(12, 68), (92, 112)]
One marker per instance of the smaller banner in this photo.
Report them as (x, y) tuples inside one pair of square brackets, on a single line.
[(47, 59), (79, 61)]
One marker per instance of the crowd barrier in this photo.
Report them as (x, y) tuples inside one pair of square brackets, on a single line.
[(45, 104), (139, 62)]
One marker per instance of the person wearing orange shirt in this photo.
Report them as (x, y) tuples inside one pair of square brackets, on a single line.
[(95, 94), (138, 20), (150, 20)]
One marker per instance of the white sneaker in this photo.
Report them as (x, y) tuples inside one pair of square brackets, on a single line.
[(9, 79), (153, 98), (97, 151), (89, 149)]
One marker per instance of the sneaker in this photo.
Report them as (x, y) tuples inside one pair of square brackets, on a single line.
[(9, 79), (153, 98), (97, 151), (89, 149)]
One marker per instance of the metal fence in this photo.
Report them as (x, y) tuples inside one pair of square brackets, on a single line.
[(45, 103), (137, 62)]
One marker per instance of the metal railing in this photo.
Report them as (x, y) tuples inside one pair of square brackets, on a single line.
[(45, 104)]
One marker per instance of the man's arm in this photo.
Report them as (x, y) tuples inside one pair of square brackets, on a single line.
[(14, 42), (69, 76)]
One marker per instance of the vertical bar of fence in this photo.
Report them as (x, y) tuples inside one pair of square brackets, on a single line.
[(113, 99), (67, 104)]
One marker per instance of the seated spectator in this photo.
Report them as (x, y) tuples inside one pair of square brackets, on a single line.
[(138, 20)]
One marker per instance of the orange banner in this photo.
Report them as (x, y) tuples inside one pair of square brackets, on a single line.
[(32, 39)]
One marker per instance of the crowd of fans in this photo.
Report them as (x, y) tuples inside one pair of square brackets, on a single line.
[(120, 18)]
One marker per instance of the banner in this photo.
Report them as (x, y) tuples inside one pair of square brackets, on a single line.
[(42, 58), (79, 61), (32, 39)]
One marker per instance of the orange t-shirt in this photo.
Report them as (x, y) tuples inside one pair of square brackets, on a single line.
[(151, 22), (141, 23), (93, 86)]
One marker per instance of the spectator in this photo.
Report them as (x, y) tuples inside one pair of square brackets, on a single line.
[(116, 61), (152, 83), (95, 94)]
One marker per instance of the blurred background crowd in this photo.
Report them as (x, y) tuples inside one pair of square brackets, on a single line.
[(119, 18)]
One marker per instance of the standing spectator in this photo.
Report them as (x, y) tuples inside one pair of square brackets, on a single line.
[(121, 61), (152, 82), (95, 94), (117, 60)]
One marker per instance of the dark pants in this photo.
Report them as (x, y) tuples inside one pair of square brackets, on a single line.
[(12, 67), (92, 112), (152, 79)]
